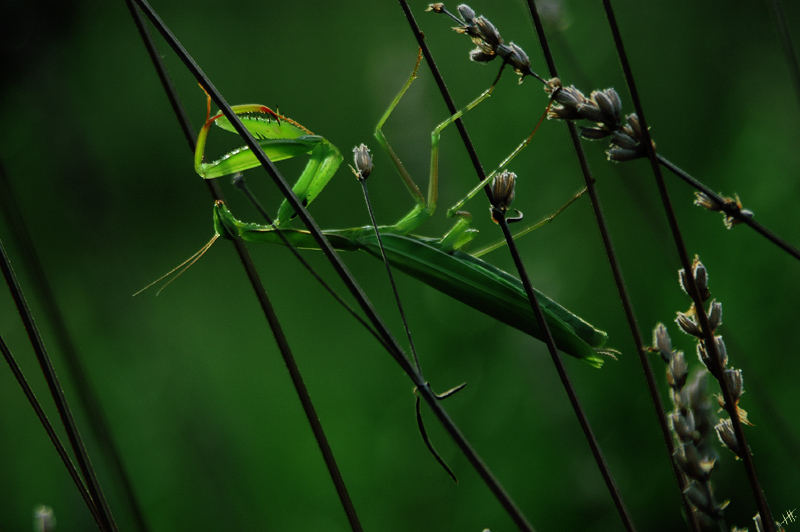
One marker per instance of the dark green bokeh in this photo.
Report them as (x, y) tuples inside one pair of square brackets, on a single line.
[(200, 403)]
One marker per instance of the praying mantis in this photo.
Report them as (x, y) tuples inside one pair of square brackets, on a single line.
[(438, 262)]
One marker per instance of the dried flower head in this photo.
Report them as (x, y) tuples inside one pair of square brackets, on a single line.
[(677, 370), (700, 276), (487, 39), (567, 100), (503, 185), (715, 314), (626, 142), (733, 212), (727, 437), (662, 342), (362, 158), (687, 323), (735, 381)]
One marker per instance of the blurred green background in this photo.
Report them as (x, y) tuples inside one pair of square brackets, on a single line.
[(200, 404)]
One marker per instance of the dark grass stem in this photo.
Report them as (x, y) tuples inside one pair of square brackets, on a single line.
[(255, 281), (51, 433), (565, 380), (420, 423), (523, 274), (787, 44), (619, 280), (727, 208), (240, 183), (88, 399), (396, 294), (57, 393), (710, 343), (393, 347)]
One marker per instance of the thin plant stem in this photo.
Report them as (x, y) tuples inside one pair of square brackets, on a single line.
[(389, 274), (710, 343), (420, 424), (565, 380), (240, 183), (730, 211), (394, 350), (51, 433), (98, 423), (787, 44), (619, 280), (610, 484), (261, 295), (64, 412)]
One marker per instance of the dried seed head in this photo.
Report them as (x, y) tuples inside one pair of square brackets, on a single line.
[(722, 350), (694, 463), (677, 370), (698, 498), (727, 437), (589, 110), (696, 392), (700, 276), (662, 342), (715, 314), (519, 61), (552, 85), (735, 382), (610, 105), (437, 7), (486, 31), (44, 518), (731, 208), (566, 100), (626, 142), (594, 133), (503, 185), (466, 12), (701, 199), (688, 325), (683, 425), (363, 161), (480, 56), (503, 189)]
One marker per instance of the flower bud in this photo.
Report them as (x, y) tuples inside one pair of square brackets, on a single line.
[(735, 382), (727, 437), (688, 325), (44, 518), (715, 314), (662, 342), (502, 192), (363, 161), (466, 12), (698, 498), (678, 370)]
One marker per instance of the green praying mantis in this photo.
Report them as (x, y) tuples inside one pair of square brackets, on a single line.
[(438, 262)]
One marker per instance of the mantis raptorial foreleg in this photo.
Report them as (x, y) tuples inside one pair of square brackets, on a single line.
[(281, 138)]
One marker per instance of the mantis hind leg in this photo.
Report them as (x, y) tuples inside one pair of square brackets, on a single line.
[(425, 205), (510, 157)]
